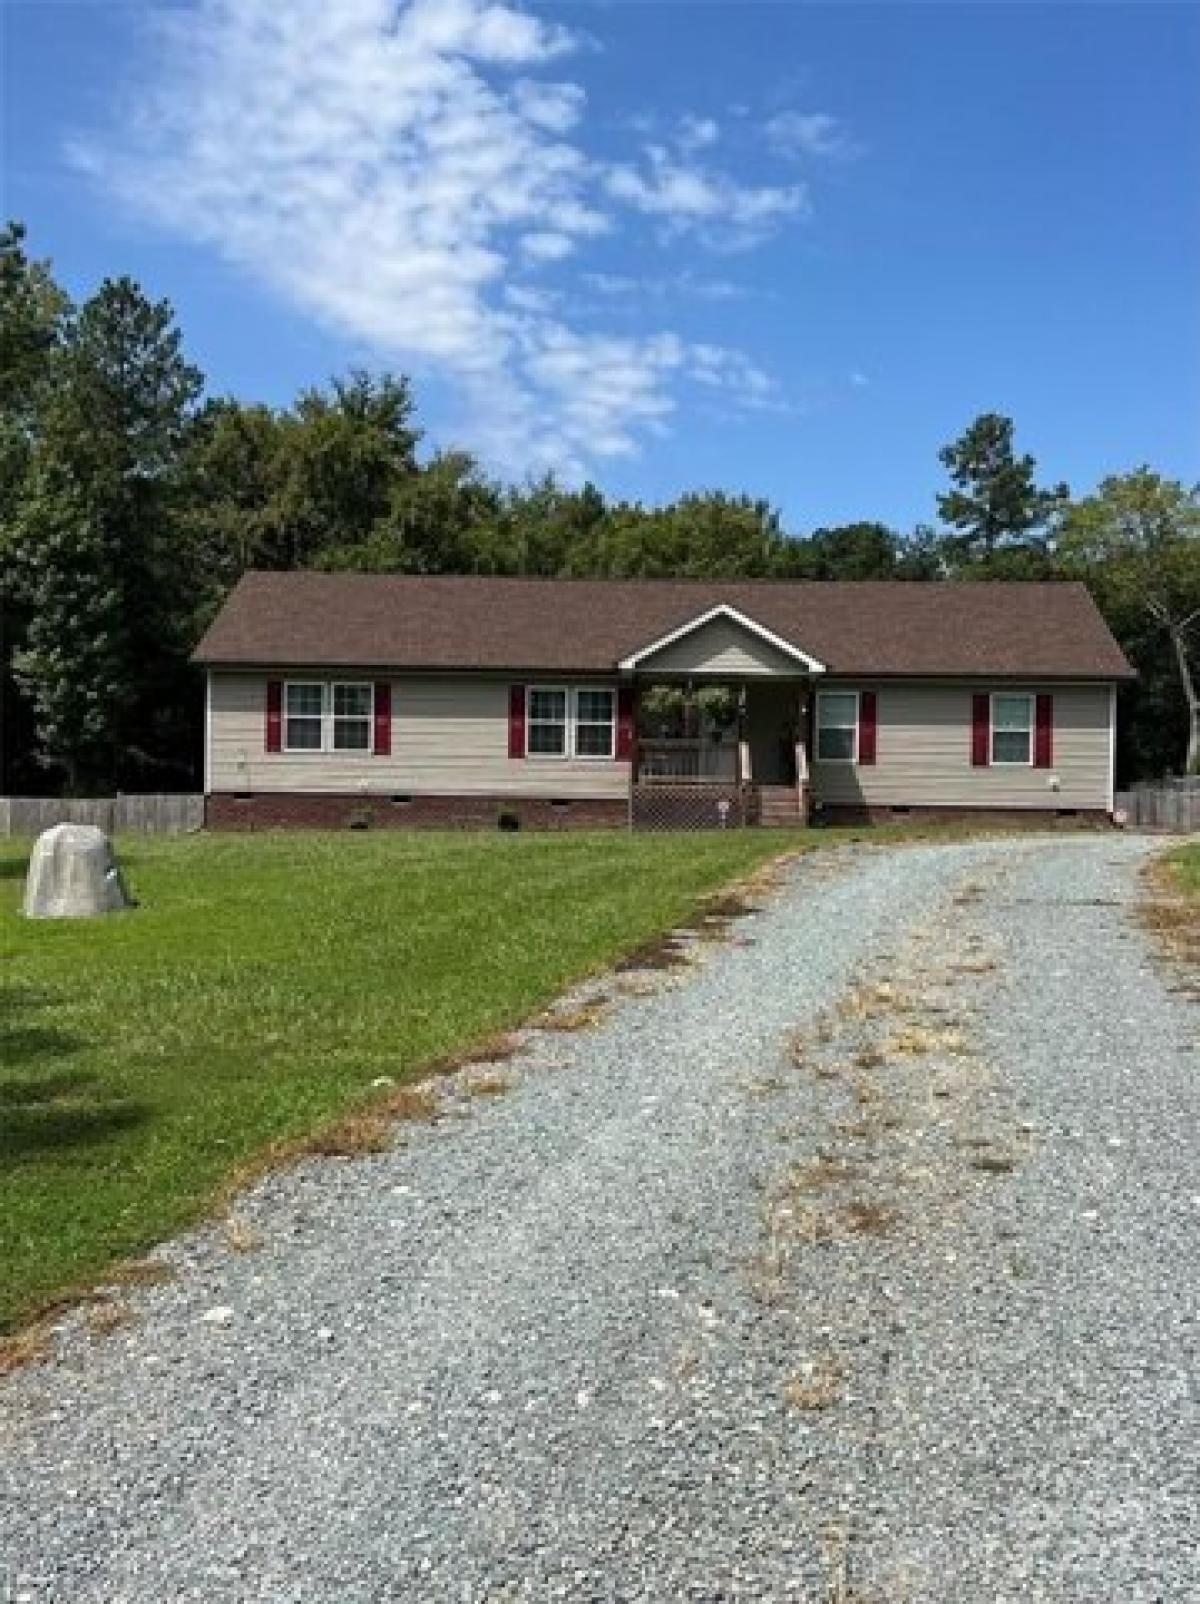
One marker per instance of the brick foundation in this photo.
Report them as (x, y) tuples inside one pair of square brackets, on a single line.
[(1033, 818), (283, 810)]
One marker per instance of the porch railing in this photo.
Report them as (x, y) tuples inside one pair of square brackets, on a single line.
[(680, 760)]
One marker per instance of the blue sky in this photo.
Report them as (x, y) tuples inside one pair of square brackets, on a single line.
[(790, 249)]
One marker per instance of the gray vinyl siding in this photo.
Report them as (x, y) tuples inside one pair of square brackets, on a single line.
[(924, 753), (721, 647), (449, 738)]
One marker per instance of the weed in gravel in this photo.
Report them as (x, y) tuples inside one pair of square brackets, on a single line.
[(869, 1057), (585, 1017), (108, 1316), (352, 1137), (497, 1051), (141, 1273), (798, 1048), (866, 1218), (765, 1276), (241, 1236), (664, 952), (994, 1163), (874, 1000), (802, 1222), (488, 1085), (24, 1347), (825, 1170), (973, 964), (687, 1362), (916, 1041), (973, 891), (372, 1129), (818, 1385), (635, 985)]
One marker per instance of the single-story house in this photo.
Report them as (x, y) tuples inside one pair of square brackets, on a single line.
[(353, 699)]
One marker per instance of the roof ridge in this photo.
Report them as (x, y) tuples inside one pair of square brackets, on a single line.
[(645, 581)]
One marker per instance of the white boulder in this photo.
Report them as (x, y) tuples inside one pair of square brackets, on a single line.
[(72, 875)]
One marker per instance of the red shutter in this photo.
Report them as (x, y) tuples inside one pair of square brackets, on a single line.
[(382, 746), (274, 715), (516, 721), (1043, 741), (868, 723), (625, 723), (981, 730)]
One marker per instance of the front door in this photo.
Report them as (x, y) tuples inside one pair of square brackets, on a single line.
[(771, 713)]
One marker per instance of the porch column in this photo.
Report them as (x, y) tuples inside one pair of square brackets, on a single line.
[(745, 767), (803, 783)]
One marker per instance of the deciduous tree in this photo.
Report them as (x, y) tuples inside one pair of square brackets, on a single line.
[(1137, 539)]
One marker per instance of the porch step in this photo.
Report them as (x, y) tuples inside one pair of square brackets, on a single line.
[(778, 804)]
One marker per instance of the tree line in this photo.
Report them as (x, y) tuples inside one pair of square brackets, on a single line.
[(131, 502)]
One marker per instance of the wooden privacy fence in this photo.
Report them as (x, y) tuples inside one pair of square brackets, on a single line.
[(116, 815), (1162, 804)]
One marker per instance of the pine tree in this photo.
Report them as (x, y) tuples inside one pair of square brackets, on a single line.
[(995, 503)]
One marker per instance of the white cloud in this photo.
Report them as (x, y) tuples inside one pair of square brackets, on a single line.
[(388, 169), (814, 134), (688, 198), (859, 380), (623, 286), (697, 133), (546, 246), (555, 107), (529, 298)]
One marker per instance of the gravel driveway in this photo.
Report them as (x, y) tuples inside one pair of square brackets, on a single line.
[(853, 1261)]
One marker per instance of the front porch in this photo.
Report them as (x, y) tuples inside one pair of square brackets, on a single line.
[(720, 753)]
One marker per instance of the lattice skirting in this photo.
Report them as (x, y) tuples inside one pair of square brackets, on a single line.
[(659, 805)]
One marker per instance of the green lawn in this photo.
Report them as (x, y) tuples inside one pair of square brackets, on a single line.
[(261, 986), (1185, 864)]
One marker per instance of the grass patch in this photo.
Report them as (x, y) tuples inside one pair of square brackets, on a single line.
[(153, 1060), (1184, 864), (1170, 909)]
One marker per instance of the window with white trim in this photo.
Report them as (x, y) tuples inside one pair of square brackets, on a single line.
[(837, 726), (304, 709), (595, 722), (353, 706), (546, 721), (1012, 729), (323, 717)]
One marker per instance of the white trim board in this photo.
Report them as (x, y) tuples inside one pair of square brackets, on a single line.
[(722, 610)]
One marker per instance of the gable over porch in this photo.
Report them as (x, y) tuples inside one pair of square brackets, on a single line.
[(722, 717)]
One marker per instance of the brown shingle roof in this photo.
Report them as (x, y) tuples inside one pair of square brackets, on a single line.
[(318, 620)]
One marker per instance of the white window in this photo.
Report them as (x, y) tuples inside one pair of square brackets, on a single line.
[(1012, 729), (837, 726), (327, 718), (352, 710), (546, 722), (304, 707), (595, 723)]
